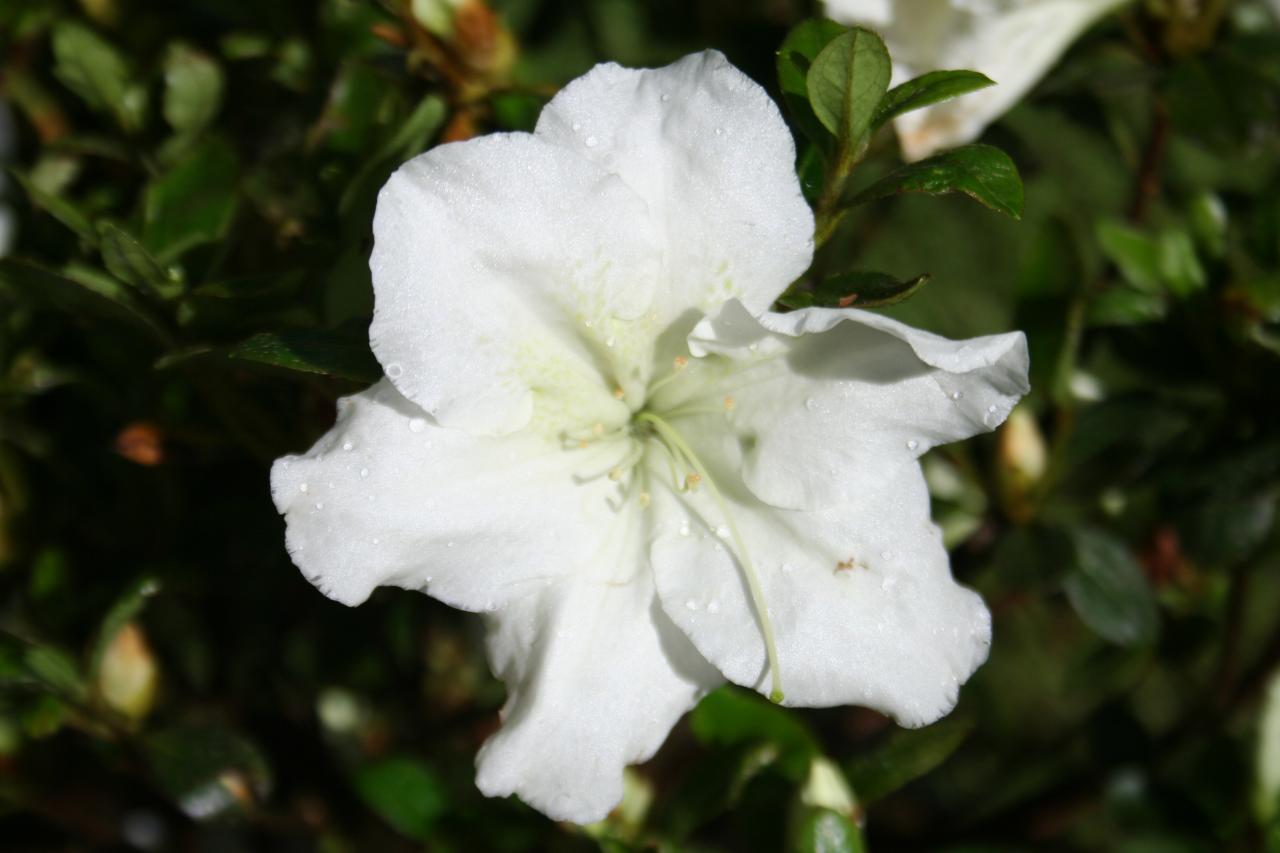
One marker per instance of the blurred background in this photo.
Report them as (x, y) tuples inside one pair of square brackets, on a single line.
[(187, 217)]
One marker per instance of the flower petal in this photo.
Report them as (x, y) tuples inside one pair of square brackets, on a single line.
[(860, 596), (597, 676), (709, 152), (852, 394), (388, 497), (1014, 42), (498, 265)]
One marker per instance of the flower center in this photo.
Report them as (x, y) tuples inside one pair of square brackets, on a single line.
[(652, 428)]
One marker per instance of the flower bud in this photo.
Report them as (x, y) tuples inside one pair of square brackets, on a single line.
[(1023, 459), (128, 675)]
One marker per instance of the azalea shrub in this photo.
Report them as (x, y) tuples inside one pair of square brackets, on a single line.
[(719, 426)]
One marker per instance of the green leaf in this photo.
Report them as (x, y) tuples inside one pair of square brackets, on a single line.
[(122, 612), (1132, 251), (927, 89), (207, 770), (193, 84), (59, 208), (846, 82), (129, 261), (820, 830), (801, 46), (855, 290), (409, 139), (79, 293), (730, 716), (905, 756), (325, 352), (92, 68), (981, 172), (1108, 591), (193, 203), (57, 670), (405, 792)]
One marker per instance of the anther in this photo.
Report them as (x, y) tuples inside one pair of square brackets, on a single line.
[(729, 403), (618, 393), (691, 482), (681, 362), (644, 500), (615, 474), (598, 430)]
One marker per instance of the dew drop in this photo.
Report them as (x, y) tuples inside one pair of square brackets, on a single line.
[(577, 125), (319, 505), (787, 568), (912, 444), (304, 488), (394, 370), (956, 395), (449, 544), (886, 554), (888, 583), (811, 404), (723, 531), (719, 131), (713, 607), (611, 342), (417, 425), (591, 141), (691, 604), (684, 528), (753, 346), (346, 445), (991, 410), (377, 541), (719, 548), (364, 472), (665, 97)]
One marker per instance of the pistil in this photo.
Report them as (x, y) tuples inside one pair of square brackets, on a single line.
[(675, 444)]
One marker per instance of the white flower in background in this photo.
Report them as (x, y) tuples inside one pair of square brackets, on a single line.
[(1014, 42), (6, 151), (593, 430)]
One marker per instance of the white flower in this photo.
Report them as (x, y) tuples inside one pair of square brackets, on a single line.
[(1014, 42), (593, 431)]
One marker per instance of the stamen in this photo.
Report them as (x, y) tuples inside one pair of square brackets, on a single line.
[(691, 482), (677, 368), (729, 403), (677, 443), (645, 500)]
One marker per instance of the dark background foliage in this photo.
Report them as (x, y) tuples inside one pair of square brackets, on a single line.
[(193, 184)]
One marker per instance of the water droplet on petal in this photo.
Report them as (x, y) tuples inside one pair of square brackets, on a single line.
[(886, 554), (577, 125), (591, 141), (991, 410), (787, 568), (912, 444), (377, 541), (719, 131), (611, 342), (346, 445), (713, 607), (753, 346), (956, 395), (684, 527), (304, 488), (691, 604), (888, 583), (417, 425), (394, 370), (723, 531), (364, 472), (665, 97), (811, 404), (319, 505)]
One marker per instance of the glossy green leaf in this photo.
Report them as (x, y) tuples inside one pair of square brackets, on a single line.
[(193, 203), (819, 830), (318, 351), (128, 260), (56, 670), (927, 89), (1108, 591), (794, 58), (95, 70), (208, 771), (405, 792), (846, 82), (193, 88), (855, 290), (905, 756), (981, 172), (1133, 252)]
